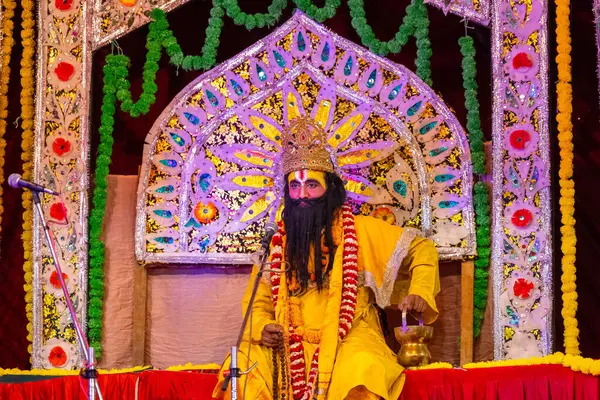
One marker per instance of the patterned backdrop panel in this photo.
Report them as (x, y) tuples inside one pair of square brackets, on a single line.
[(210, 176)]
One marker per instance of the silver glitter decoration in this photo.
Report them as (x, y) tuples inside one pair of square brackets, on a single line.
[(122, 19), (183, 255), (465, 8), (501, 23)]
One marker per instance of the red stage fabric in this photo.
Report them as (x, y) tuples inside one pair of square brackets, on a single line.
[(513, 383)]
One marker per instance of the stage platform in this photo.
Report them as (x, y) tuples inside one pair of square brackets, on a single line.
[(515, 383)]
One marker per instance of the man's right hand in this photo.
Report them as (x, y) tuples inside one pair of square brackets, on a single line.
[(270, 335)]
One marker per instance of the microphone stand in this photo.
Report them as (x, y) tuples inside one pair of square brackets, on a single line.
[(234, 371), (88, 371)]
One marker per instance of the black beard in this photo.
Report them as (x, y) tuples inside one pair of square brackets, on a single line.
[(305, 222)]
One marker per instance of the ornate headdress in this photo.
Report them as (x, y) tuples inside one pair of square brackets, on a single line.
[(304, 145)]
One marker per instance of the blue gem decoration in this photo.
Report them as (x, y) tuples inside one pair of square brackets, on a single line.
[(372, 78), (192, 222), (204, 181), (301, 42), (437, 152), (262, 75), (448, 203), (279, 59), (325, 52), (177, 139), (400, 187), (212, 98), (348, 67), (164, 239), (169, 163), (443, 178), (414, 108), (236, 87), (165, 189), (163, 213), (192, 118), (394, 93), (428, 127)]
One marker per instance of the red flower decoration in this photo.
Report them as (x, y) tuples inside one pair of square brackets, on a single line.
[(63, 5), (61, 146), (522, 61), (64, 71), (58, 211), (54, 281), (522, 288), (57, 357), (519, 139), (522, 218)]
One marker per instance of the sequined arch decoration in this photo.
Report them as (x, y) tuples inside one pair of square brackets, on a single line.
[(209, 177)]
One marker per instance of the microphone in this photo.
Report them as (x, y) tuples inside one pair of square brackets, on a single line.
[(270, 229), (15, 180)]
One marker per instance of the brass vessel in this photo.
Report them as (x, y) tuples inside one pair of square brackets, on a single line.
[(413, 340)]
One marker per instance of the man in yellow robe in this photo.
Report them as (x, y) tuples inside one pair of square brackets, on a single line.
[(315, 330)]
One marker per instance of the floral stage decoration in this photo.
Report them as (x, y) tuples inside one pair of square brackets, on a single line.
[(209, 177), (69, 31), (521, 257)]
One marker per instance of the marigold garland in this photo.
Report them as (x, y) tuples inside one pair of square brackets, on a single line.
[(27, 143), (480, 189), (565, 174), (7, 44)]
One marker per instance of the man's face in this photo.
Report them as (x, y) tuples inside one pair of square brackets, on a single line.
[(307, 185)]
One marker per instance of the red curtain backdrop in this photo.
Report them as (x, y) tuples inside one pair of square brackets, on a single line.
[(515, 383), (188, 23)]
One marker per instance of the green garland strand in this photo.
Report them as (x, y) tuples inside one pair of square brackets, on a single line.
[(423, 62), (115, 73), (319, 14), (258, 20), (480, 189), (415, 23)]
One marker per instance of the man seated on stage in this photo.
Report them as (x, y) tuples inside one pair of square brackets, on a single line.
[(315, 329)]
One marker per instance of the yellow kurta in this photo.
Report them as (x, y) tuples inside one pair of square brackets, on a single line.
[(386, 253)]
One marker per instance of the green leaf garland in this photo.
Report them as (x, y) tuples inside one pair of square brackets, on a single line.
[(415, 23), (258, 20), (115, 73), (319, 14), (480, 189)]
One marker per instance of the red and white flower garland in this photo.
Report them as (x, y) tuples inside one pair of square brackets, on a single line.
[(303, 390)]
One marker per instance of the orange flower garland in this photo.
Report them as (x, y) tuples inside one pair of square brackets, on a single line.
[(7, 45), (565, 173), (27, 115)]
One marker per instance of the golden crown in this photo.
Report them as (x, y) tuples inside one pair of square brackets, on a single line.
[(304, 146)]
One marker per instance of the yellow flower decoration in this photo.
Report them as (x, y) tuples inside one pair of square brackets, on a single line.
[(7, 44), (27, 116), (565, 173)]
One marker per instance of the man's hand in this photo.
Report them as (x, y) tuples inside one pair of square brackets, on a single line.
[(413, 302), (270, 335)]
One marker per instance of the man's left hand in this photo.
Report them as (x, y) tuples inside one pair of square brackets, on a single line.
[(413, 302)]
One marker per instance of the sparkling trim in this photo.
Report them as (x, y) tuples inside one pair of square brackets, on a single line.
[(384, 292)]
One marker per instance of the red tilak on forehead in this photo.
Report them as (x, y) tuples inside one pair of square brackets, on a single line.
[(301, 176)]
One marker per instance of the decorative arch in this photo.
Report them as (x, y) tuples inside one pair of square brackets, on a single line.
[(209, 177)]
